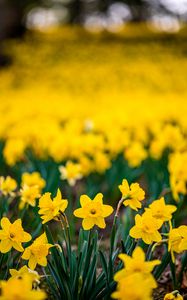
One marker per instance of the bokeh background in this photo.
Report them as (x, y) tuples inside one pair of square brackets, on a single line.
[(91, 81), (16, 16)]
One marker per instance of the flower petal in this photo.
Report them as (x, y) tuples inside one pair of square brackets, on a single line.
[(84, 200), (5, 246), (88, 223), (100, 222)]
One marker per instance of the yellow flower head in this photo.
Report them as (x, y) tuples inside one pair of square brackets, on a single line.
[(33, 179), (135, 154), (146, 227), (134, 287), (132, 195), (12, 235), (19, 274), (101, 162), (178, 174), (136, 264), (37, 252), (177, 241), (29, 194), (162, 211), (93, 211), (50, 209), (14, 150), (71, 172), (178, 186), (20, 289), (7, 185), (173, 296)]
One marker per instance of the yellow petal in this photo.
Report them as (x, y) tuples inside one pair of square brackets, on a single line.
[(26, 254), (18, 223), (26, 237), (79, 213), (183, 230), (135, 232), (5, 223), (107, 210), (32, 262), (88, 223), (98, 198), (5, 246), (100, 222), (138, 253), (17, 246), (42, 261), (84, 200)]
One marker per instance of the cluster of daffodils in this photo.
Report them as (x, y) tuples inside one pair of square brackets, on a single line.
[(149, 224), (23, 283), (32, 185), (12, 235), (153, 225)]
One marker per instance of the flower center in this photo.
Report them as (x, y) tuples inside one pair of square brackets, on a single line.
[(12, 235), (93, 211)]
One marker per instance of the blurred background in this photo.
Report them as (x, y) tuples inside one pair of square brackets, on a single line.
[(17, 16), (86, 80)]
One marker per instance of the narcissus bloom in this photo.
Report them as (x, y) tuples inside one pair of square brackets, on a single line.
[(146, 227), (173, 296), (162, 211), (134, 287), (37, 252), (177, 241), (51, 208), (136, 264), (132, 195), (19, 274), (20, 289), (93, 211), (7, 185), (33, 179), (29, 194), (14, 150), (71, 172), (12, 235), (135, 154)]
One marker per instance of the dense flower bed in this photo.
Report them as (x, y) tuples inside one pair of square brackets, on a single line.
[(85, 117)]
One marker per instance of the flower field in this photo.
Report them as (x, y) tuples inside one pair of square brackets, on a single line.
[(93, 165)]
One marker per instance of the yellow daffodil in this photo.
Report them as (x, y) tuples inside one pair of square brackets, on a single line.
[(51, 208), (173, 296), (12, 235), (178, 174), (37, 252), (178, 186), (136, 264), (34, 276), (29, 194), (14, 150), (101, 162), (133, 287), (146, 227), (177, 241), (7, 185), (162, 211), (93, 211), (132, 195), (135, 154), (71, 172), (20, 289), (33, 179)]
